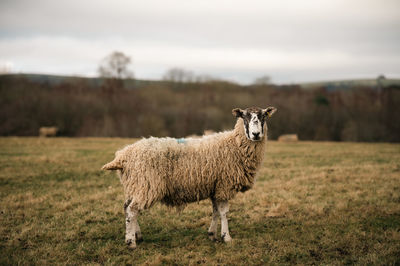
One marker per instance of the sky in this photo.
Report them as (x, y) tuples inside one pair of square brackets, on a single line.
[(288, 40)]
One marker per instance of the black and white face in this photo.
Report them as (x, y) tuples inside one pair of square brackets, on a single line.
[(255, 121)]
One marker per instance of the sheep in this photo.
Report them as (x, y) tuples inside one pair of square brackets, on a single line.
[(180, 171), (288, 138), (48, 131)]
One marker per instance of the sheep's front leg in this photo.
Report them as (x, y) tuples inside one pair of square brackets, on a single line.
[(130, 221), (212, 231), (223, 209)]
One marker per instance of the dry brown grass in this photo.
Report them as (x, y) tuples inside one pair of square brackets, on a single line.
[(313, 203)]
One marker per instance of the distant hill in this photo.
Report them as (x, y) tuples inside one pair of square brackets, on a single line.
[(348, 84), (137, 83), (57, 79)]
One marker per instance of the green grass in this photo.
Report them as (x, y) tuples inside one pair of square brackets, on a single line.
[(313, 203)]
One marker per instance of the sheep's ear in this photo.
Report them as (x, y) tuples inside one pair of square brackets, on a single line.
[(269, 111), (237, 112)]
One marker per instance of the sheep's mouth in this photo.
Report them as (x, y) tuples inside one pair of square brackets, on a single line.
[(254, 138)]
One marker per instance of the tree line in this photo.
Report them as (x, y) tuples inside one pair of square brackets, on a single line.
[(112, 107)]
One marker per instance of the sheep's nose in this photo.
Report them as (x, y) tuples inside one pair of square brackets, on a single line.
[(256, 135)]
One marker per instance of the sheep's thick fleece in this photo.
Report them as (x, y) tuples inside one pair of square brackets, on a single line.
[(173, 172)]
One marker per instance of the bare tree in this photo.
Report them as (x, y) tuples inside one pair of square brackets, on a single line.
[(380, 81), (115, 66), (206, 78), (178, 75), (263, 80)]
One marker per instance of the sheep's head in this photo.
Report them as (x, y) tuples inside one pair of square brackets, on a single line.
[(255, 121)]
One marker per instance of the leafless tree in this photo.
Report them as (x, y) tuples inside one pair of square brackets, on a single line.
[(178, 75), (263, 80), (206, 78), (115, 66)]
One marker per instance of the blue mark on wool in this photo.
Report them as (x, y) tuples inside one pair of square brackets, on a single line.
[(181, 141)]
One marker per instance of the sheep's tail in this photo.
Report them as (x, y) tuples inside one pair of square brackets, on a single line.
[(114, 165)]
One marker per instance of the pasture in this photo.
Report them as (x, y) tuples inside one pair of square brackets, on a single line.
[(313, 203)]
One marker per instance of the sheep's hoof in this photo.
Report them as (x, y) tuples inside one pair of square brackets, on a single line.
[(131, 243), (226, 238), (212, 236), (139, 238)]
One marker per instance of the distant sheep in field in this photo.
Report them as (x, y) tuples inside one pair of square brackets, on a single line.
[(208, 132), (48, 131), (205, 133), (179, 171), (288, 138)]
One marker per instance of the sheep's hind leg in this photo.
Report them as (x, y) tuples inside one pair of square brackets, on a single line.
[(223, 208), (131, 221), (138, 233), (212, 231)]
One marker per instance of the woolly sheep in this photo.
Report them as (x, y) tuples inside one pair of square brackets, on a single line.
[(179, 171), (48, 131), (288, 138)]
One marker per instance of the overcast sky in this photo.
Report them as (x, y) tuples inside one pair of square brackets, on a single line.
[(291, 41)]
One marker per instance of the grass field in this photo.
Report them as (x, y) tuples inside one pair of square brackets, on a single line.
[(313, 203)]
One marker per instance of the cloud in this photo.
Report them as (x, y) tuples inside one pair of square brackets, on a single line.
[(290, 40), (64, 55)]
